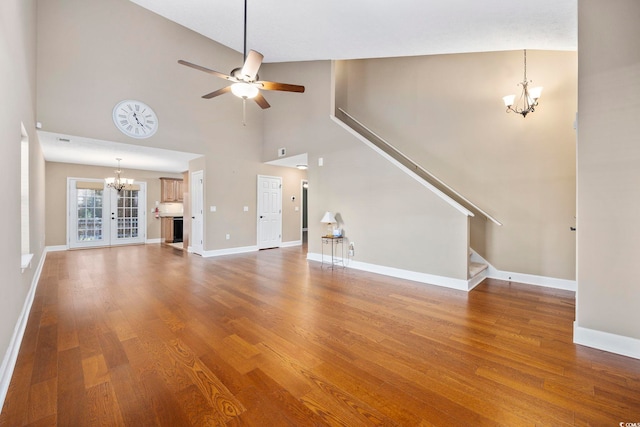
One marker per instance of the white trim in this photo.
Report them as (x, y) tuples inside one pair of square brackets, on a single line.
[(403, 168), (57, 248), (606, 341), (290, 244), (153, 241), (447, 282), (477, 279), (229, 251), (532, 279), (25, 261), (11, 355), (527, 279)]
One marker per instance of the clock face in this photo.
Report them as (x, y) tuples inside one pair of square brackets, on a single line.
[(135, 119)]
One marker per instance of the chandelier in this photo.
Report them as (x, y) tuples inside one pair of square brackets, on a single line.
[(528, 100), (118, 183)]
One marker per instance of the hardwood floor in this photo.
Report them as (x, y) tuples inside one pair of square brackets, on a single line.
[(149, 335)]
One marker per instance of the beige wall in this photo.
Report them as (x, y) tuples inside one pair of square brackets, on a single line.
[(18, 89), (446, 113), (56, 195), (393, 220), (608, 172), (86, 69)]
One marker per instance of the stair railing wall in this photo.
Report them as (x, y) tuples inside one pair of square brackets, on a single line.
[(403, 159)]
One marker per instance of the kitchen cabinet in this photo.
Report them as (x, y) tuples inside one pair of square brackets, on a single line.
[(167, 229), (172, 190)]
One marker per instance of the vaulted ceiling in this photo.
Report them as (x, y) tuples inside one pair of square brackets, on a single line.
[(294, 30)]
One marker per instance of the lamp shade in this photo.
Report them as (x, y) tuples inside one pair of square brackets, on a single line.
[(535, 92), (509, 100), (328, 218)]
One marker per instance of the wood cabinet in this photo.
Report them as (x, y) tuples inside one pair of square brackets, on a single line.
[(167, 229), (172, 190)]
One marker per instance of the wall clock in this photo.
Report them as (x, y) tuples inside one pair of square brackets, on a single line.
[(135, 119)]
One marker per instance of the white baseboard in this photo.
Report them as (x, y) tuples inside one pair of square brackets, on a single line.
[(229, 251), (11, 355), (55, 248), (606, 341), (447, 282), (291, 244), (528, 279), (153, 241)]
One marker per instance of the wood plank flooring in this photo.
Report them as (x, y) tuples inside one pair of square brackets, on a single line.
[(150, 335)]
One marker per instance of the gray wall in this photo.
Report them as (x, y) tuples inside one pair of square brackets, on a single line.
[(393, 220), (86, 69), (18, 89), (446, 113), (608, 172)]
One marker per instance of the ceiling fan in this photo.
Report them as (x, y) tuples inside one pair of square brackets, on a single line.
[(246, 83)]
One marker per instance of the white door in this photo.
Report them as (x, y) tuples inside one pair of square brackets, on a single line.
[(127, 210), (269, 212), (99, 216), (197, 212)]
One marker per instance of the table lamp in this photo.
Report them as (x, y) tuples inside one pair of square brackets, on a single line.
[(329, 219)]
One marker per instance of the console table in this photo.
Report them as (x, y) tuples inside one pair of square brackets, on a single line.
[(337, 258)]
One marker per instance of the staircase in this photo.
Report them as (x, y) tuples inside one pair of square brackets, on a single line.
[(476, 271)]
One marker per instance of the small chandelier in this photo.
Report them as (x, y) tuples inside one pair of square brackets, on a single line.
[(528, 100), (118, 183)]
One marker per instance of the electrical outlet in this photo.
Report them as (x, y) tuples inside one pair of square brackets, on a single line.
[(228, 236)]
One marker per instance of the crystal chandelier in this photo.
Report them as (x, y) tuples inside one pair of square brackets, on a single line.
[(118, 183), (528, 100)]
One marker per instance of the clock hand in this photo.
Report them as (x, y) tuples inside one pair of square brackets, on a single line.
[(136, 117)]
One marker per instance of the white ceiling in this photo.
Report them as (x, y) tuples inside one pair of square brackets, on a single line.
[(295, 30), (86, 151)]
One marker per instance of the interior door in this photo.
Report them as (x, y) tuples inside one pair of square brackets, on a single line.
[(197, 212), (100, 216), (269, 212)]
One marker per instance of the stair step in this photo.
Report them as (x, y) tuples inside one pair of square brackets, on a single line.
[(476, 268)]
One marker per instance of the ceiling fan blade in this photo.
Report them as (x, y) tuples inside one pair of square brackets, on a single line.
[(281, 86), (217, 92), (261, 101), (252, 65), (206, 70)]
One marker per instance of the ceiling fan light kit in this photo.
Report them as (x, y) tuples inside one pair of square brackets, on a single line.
[(244, 90), (245, 79)]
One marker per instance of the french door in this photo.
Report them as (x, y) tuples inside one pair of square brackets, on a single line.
[(101, 216)]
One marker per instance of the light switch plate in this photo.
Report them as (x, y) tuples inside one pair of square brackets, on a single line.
[(212, 208)]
